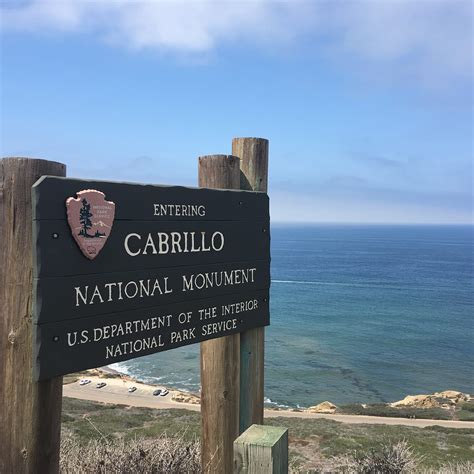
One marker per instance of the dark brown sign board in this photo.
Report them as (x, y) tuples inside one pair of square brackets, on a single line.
[(126, 270)]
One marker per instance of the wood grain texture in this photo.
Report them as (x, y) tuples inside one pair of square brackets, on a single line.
[(29, 412), (220, 366), (252, 351), (219, 172), (253, 154), (261, 450)]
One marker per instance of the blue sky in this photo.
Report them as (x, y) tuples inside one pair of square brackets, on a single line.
[(367, 105)]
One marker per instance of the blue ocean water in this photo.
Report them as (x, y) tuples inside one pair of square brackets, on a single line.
[(358, 314)]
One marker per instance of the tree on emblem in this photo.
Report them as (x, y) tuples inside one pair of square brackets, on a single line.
[(85, 215)]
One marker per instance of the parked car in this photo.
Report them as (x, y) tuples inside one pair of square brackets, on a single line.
[(84, 381), (156, 392), (132, 389), (164, 393), (100, 385)]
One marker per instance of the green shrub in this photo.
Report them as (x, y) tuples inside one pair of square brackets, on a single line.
[(381, 409)]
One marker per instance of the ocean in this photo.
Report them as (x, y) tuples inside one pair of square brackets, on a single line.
[(359, 313)]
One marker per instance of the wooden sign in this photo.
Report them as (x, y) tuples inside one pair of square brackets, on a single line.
[(124, 270)]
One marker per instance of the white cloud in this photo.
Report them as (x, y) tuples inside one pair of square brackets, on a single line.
[(427, 37), (189, 26)]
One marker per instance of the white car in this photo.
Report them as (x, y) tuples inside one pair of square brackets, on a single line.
[(84, 381), (132, 389), (164, 393)]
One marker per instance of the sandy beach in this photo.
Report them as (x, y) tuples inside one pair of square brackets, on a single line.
[(116, 392)]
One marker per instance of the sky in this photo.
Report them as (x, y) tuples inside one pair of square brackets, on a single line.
[(367, 104)]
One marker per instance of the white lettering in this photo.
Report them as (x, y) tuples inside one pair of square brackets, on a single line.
[(127, 249), (163, 242), (214, 246), (149, 243), (82, 296)]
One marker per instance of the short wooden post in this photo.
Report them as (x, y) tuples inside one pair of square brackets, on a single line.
[(261, 450), (253, 153), (30, 413), (219, 357)]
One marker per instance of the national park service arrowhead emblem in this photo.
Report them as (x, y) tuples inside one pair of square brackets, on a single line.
[(90, 218)]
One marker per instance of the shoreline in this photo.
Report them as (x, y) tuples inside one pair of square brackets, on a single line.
[(116, 392), (114, 372), (451, 397), (447, 398)]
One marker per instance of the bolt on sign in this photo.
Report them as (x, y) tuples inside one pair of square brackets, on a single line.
[(125, 270)]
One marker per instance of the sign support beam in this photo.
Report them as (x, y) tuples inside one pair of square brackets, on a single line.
[(220, 357), (30, 413), (253, 153)]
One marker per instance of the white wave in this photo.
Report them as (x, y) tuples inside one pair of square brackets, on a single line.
[(120, 367), (150, 378), (324, 283), (279, 405), (357, 285)]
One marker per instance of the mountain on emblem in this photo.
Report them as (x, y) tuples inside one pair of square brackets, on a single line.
[(90, 218)]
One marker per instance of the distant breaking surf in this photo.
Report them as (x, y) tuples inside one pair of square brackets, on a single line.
[(359, 285), (305, 282)]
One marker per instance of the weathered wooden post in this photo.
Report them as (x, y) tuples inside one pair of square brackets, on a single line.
[(253, 153), (30, 413), (261, 450), (219, 357)]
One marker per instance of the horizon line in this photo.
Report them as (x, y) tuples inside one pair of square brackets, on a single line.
[(451, 224)]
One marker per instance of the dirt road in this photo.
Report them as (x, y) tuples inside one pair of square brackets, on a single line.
[(116, 392)]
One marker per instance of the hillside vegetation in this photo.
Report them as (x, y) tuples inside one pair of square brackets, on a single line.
[(104, 433)]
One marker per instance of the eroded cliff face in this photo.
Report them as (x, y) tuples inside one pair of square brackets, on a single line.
[(445, 399), (186, 398), (324, 407)]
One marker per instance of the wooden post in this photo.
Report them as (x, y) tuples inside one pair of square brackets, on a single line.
[(261, 450), (219, 357), (30, 413), (253, 153)]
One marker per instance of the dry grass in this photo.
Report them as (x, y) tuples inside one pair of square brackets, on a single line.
[(164, 455), (319, 465), (388, 459), (99, 439), (172, 455), (397, 458), (453, 468)]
